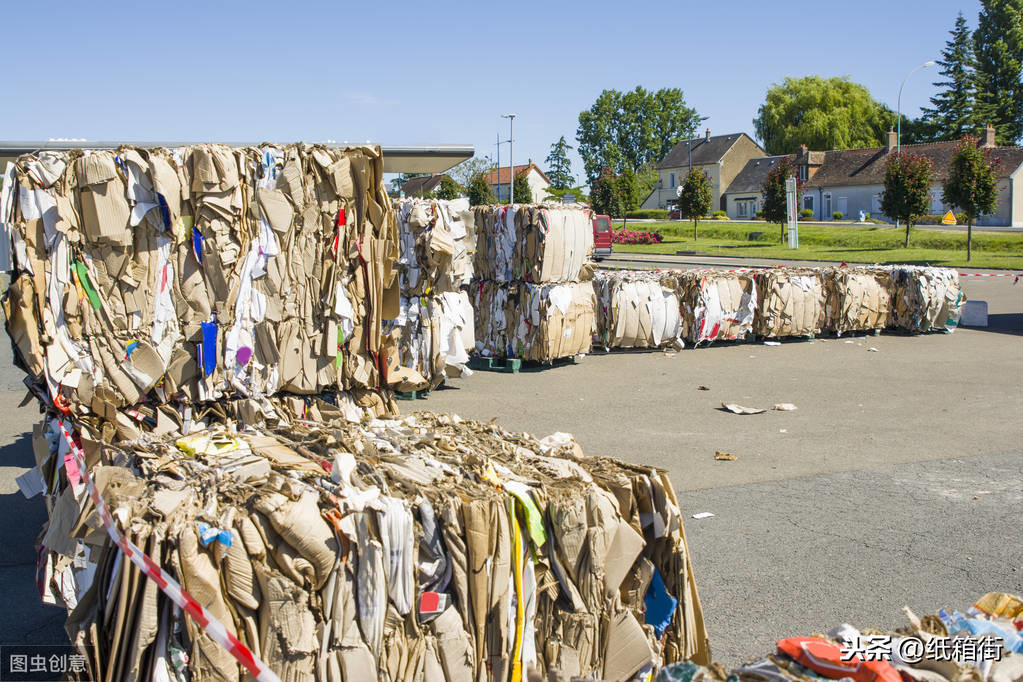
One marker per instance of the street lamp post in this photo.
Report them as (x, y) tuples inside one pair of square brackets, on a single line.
[(511, 157), (689, 144), (898, 116)]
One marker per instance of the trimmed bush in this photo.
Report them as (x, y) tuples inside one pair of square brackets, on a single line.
[(719, 214), (837, 215), (806, 213), (760, 215), (935, 219), (655, 213), (632, 237)]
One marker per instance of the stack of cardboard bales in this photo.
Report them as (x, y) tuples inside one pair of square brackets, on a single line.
[(530, 297), (146, 280), (858, 298), (203, 327), (791, 302), (926, 298), (716, 305), (435, 326), (637, 310)]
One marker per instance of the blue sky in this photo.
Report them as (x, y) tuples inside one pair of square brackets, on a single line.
[(435, 72)]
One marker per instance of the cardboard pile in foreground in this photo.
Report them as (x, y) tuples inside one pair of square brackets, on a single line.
[(428, 547), (532, 297), (435, 322)]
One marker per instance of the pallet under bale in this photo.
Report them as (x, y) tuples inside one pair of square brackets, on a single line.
[(426, 547)]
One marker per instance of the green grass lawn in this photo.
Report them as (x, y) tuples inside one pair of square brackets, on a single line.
[(859, 244)]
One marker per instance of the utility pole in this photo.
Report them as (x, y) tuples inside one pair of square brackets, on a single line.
[(511, 157)]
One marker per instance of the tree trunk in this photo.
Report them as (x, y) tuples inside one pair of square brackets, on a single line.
[(969, 239), (907, 234), (781, 236), (696, 229)]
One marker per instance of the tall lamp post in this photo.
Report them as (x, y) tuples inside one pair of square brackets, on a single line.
[(898, 115), (511, 157), (898, 135), (689, 144)]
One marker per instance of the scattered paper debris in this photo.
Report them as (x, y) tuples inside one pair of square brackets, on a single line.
[(772, 343), (702, 388), (785, 407), (702, 515), (739, 409), (783, 430), (722, 456), (30, 483), (850, 341), (871, 350)]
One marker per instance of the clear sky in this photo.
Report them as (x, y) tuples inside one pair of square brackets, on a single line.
[(435, 72)]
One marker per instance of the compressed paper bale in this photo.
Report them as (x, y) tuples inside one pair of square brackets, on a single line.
[(926, 298), (437, 245), (433, 336), (715, 305), (218, 270), (636, 310), (534, 322), (791, 302), (533, 243), (858, 299)]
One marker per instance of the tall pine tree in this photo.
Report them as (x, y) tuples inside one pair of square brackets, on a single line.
[(998, 45), (952, 114), (559, 167)]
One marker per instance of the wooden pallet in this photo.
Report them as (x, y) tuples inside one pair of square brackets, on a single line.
[(412, 395)]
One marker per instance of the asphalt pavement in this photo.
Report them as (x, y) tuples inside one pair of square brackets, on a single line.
[(897, 481)]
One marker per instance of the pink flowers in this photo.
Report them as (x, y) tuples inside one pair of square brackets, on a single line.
[(630, 237)]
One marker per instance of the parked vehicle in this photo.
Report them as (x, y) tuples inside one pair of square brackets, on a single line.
[(602, 245)]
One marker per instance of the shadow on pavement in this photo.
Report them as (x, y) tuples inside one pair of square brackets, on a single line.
[(1002, 323), (25, 619)]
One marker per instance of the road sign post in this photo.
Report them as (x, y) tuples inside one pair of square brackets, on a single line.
[(790, 209)]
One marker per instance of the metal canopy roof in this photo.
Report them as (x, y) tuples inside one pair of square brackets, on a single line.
[(397, 159)]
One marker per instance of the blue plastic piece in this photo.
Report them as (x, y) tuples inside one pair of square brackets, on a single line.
[(660, 606)]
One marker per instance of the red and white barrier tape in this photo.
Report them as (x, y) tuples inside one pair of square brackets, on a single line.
[(210, 625), (990, 274)]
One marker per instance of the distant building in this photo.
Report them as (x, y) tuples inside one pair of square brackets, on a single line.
[(537, 179), (852, 180), (720, 157)]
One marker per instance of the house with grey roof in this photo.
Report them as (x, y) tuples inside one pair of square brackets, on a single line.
[(422, 185), (720, 157), (852, 180)]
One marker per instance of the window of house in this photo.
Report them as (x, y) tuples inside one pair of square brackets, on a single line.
[(741, 208), (808, 202), (803, 173), (672, 180)]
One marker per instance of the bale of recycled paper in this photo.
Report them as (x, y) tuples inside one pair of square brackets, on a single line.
[(926, 298), (533, 243), (715, 305), (791, 302), (154, 276), (428, 547), (437, 244), (537, 322), (434, 336), (858, 298), (636, 310)]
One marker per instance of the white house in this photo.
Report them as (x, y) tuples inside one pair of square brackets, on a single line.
[(536, 178)]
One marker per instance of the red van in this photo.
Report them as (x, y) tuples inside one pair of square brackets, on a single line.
[(601, 236)]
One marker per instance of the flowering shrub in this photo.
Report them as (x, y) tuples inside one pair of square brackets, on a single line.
[(630, 237)]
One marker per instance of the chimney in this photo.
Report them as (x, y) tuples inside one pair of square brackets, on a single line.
[(989, 136), (803, 151), (893, 140), (708, 135)]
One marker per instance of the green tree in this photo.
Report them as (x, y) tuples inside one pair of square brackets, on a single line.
[(907, 187), (998, 45), (464, 172), (559, 167), (479, 190), (627, 191), (628, 130), (521, 191), (775, 207), (604, 198), (972, 184), (695, 198), (822, 113), (448, 189), (951, 115)]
